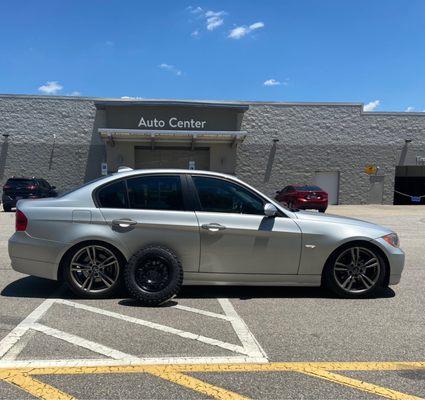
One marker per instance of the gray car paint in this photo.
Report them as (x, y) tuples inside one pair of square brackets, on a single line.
[(290, 249)]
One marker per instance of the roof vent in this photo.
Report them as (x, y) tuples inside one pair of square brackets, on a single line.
[(123, 168)]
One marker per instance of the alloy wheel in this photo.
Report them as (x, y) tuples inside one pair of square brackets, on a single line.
[(357, 270), (94, 269)]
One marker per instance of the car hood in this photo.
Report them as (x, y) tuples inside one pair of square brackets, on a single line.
[(337, 219)]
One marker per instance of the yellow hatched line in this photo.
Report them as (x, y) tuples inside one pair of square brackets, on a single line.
[(357, 384), (199, 386), (36, 388)]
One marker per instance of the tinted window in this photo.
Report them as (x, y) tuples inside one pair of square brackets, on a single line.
[(307, 188), (155, 193), (113, 195), (20, 183), (217, 195)]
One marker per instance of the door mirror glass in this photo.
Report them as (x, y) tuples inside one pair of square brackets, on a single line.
[(270, 210)]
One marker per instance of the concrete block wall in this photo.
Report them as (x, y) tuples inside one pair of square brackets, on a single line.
[(324, 138)]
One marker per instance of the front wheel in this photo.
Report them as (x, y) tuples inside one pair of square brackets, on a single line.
[(7, 208), (153, 275), (355, 271)]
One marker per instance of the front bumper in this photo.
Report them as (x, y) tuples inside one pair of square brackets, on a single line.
[(395, 258), (33, 256)]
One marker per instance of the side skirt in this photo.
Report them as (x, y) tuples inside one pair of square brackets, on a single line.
[(199, 278)]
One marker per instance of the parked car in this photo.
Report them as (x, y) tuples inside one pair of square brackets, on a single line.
[(159, 229), (16, 189), (303, 197)]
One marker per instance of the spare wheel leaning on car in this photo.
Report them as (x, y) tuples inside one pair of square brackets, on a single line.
[(153, 275)]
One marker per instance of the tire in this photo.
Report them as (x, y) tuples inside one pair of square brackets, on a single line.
[(322, 210), (7, 208), (366, 278), (110, 274), (153, 275)]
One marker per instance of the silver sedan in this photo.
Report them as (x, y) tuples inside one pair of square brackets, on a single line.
[(154, 230)]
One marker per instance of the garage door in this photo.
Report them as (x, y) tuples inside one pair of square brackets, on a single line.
[(329, 182), (172, 157)]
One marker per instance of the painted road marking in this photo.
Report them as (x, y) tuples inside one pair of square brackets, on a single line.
[(176, 374), (248, 352)]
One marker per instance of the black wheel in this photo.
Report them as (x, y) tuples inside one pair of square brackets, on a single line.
[(322, 210), (93, 270), (7, 208), (354, 271), (153, 275)]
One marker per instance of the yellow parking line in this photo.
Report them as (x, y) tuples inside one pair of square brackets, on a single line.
[(36, 388), (199, 386), (274, 367), (355, 383)]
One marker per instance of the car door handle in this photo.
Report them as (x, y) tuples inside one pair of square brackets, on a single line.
[(124, 223), (213, 227)]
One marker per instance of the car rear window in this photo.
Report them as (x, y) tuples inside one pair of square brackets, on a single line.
[(113, 195), (308, 188), (17, 183)]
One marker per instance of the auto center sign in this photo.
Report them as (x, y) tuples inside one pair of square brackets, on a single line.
[(171, 123)]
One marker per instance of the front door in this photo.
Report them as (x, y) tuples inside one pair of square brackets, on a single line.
[(236, 237), (152, 213)]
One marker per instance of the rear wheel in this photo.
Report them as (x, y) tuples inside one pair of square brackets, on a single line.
[(322, 210), (153, 275), (93, 270), (7, 208), (355, 271)]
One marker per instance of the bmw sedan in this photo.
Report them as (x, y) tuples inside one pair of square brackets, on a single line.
[(154, 230)]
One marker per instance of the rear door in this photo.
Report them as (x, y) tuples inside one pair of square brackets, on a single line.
[(151, 210), (236, 237)]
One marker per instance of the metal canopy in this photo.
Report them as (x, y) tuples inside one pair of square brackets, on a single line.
[(172, 136)]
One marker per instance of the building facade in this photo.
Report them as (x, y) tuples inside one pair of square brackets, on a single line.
[(69, 141)]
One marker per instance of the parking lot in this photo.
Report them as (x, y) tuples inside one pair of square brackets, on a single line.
[(212, 342)]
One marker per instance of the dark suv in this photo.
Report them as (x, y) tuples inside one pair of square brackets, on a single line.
[(25, 188)]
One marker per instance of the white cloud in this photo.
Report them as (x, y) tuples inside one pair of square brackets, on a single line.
[(195, 33), (75, 93), (409, 109), (110, 43), (271, 82), (131, 98), (170, 68), (212, 19), (372, 105), (241, 31), (51, 87)]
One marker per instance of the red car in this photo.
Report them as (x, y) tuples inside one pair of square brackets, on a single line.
[(303, 197)]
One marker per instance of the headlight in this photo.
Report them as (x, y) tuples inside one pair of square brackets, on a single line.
[(392, 239)]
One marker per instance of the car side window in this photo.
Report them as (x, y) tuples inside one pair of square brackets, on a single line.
[(158, 192), (219, 195), (113, 195)]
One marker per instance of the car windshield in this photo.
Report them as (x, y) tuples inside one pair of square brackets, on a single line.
[(308, 188)]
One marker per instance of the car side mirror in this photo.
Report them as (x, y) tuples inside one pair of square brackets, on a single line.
[(270, 210)]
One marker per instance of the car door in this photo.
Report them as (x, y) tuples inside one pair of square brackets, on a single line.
[(236, 236), (150, 210)]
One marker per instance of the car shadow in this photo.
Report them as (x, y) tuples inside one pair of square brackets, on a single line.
[(33, 287)]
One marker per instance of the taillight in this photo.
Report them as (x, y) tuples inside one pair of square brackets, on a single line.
[(5, 187), (31, 187), (21, 221)]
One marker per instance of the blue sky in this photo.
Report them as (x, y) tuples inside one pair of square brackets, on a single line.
[(370, 51)]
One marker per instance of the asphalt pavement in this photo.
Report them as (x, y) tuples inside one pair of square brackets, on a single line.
[(212, 342)]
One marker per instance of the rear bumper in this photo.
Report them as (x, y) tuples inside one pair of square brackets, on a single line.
[(36, 257), (302, 205)]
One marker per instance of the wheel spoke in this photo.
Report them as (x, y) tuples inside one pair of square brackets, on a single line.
[(88, 282), (373, 260), (367, 286), (367, 279), (347, 281), (339, 266), (106, 279), (355, 253), (108, 261), (80, 267), (92, 257)]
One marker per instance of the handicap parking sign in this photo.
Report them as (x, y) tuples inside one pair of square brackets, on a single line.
[(416, 199)]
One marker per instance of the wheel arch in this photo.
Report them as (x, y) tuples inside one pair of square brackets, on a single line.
[(365, 243), (84, 243)]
